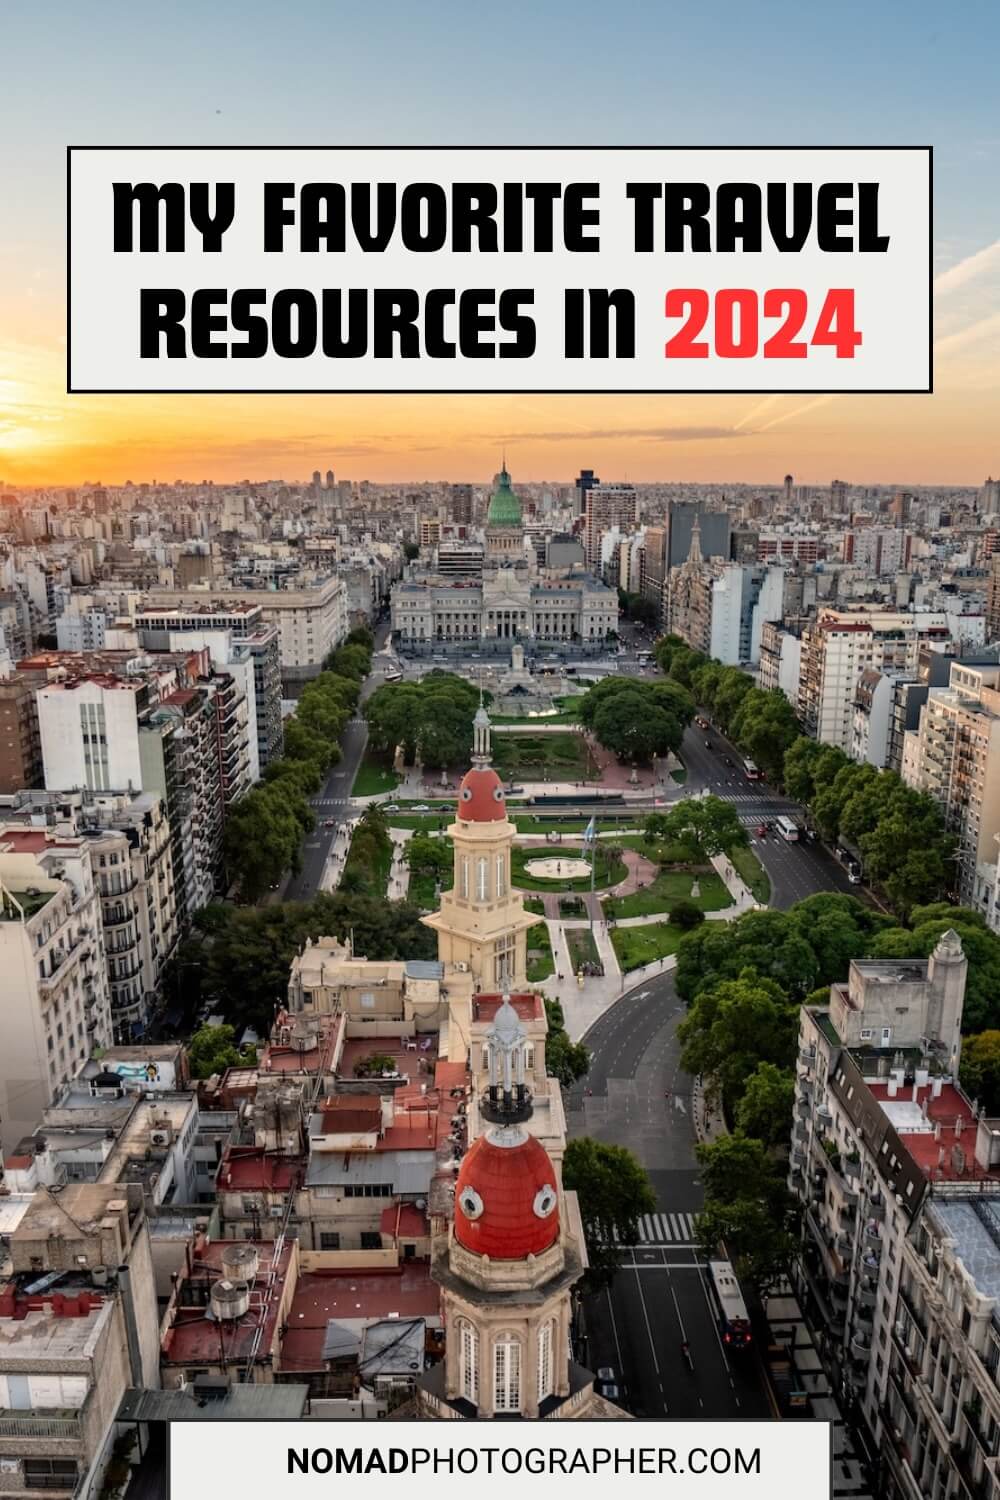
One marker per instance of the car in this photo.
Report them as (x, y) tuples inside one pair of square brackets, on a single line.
[(762, 830), (390, 807), (854, 874), (329, 822), (421, 807)]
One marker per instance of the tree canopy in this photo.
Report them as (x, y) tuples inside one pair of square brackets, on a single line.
[(613, 1192), (213, 1050), (637, 720), (238, 958), (708, 823), (431, 719), (565, 1060), (979, 1072), (731, 1028), (748, 1208)]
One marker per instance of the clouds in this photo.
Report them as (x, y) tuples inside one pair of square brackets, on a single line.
[(981, 263), (683, 434)]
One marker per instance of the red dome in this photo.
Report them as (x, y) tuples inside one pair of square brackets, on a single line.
[(506, 1200), (480, 796)]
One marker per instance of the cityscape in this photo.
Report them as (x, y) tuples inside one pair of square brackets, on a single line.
[(500, 949)]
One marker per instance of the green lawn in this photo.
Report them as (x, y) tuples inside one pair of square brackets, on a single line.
[(668, 887), (559, 757), (540, 964), (609, 871), (373, 873), (679, 774), (582, 948), (535, 905), (375, 775), (752, 873), (422, 822), (665, 854), (636, 946)]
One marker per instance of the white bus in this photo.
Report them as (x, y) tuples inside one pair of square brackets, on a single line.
[(733, 1322), (788, 829), (751, 771)]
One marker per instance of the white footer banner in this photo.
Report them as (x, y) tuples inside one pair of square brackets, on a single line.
[(555, 1460)]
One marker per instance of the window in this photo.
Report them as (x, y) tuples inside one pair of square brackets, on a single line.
[(465, 878), (886, 1035), (507, 1373), (545, 1338), (329, 1240), (482, 879), (370, 1240), (866, 1034), (468, 1363), (501, 876)]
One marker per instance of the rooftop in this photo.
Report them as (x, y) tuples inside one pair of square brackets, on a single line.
[(937, 1130), (252, 1169), (353, 1297), (975, 1228), (528, 1007), (193, 1337)]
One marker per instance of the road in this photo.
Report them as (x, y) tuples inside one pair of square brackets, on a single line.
[(660, 1297), (332, 802), (796, 870)]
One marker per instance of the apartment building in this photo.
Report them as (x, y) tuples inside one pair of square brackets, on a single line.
[(166, 724), (128, 837), (53, 984), (839, 646), (233, 633), (606, 506), (78, 1328), (20, 742), (958, 764), (308, 611), (898, 1172)]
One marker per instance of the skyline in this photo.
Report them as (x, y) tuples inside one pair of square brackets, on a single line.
[(322, 74)]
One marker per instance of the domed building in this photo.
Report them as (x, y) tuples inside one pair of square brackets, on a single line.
[(515, 600), (482, 923), (507, 1261)]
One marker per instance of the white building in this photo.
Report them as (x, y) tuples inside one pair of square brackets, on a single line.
[(53, 984)]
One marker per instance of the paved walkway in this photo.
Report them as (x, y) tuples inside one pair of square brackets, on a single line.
[(337, 857), (399, 871)]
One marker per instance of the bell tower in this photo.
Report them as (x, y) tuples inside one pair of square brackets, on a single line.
[(508, 1260), (482, 921)]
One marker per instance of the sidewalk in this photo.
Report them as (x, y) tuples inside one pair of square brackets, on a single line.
[(399, 873), (337, 857)]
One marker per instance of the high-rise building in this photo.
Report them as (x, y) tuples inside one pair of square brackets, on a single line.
[(460, 500), (898, 1173), (607, 506), (713, 527), (53, 985), (20, 743), (841, 644), (958, 764), (585, 481)]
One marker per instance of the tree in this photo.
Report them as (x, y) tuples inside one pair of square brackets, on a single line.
[(614, 1192), (430, 857), (411, 550), (374, 1065), (262, 836), (686, 914), (212, 1050), (748, 1208), (764, 726), (710, 823), (765, 1110), (565, 1060), (634, 727), (432, 718), (979, 1073), (732, 1027), (981, 1010), (244, 955)]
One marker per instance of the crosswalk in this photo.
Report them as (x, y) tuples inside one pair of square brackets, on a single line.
[(666, 1229)]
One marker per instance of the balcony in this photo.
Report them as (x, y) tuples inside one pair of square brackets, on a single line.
[(56, 1424), (861, 1347), (876, 1208), (963, 1461)]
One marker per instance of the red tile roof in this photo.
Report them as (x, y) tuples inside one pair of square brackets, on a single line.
[(252, 1169), (953, 1112)]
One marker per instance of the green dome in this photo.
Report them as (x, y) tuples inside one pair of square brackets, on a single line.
[(505, 507)]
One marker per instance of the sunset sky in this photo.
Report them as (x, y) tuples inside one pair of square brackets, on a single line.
[(323, 72)]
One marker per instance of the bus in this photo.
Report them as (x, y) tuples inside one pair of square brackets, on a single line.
[(731, 1310), (788, 829), (751, 771)]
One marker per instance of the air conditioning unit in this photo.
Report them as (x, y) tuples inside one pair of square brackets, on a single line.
[(276, 1213), (160, 1137)]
